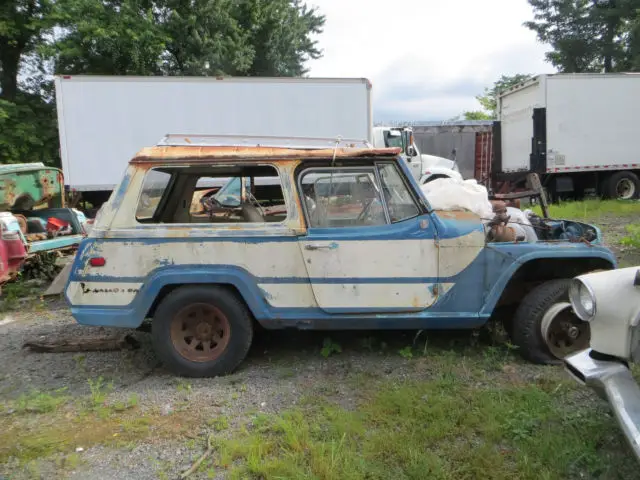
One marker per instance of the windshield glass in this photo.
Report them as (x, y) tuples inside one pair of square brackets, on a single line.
[(229, 194)]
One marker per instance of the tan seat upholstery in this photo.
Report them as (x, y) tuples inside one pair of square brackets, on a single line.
[(251, 214)]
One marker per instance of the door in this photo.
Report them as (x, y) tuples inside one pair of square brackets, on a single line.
[(369, 246)]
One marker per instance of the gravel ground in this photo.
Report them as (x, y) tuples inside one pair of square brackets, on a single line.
[(282, 368)]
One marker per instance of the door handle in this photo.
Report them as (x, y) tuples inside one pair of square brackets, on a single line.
[(315, 246)]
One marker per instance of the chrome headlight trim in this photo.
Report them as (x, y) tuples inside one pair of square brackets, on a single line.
[(576, 289)]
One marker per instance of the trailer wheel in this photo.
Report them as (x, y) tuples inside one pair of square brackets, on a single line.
[(201, 331), (545, 328), (622, 186)]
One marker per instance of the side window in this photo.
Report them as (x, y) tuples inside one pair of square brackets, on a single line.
[(400, 203), (342, 197), (248, 194), (153, 188)]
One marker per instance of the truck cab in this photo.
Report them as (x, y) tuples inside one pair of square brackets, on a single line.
[(355, 245), (423, 167)]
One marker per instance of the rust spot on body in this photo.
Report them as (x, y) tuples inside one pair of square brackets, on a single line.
[(207, 154), (457, 214)]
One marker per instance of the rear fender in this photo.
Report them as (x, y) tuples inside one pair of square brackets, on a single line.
[(132, 315)]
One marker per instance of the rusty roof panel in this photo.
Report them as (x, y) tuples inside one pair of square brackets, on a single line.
[(190, 154)]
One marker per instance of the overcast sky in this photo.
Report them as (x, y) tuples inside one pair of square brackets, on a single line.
[(427, 59)]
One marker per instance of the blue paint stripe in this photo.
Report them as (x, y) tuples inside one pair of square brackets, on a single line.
[(282, 280)]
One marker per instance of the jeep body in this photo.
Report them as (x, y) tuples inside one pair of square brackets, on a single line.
[(352, 244)]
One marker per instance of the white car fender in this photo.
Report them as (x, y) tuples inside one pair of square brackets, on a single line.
[(439, 172)]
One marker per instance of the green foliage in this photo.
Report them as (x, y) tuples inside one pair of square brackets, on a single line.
[(488, 99), (406, 352), (589, 36), (28, 132), (477, 115), (41, 402), (439, 429), (109, 37), (633, 239), (135, 37), (588, 210), (330, 347)]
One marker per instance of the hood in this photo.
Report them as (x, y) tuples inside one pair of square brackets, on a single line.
[(435, 161)]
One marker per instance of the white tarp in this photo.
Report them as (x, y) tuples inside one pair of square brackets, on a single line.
[(452, 194)]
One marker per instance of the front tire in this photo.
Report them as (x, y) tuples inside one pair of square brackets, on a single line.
[(202, 331), (545, 329)]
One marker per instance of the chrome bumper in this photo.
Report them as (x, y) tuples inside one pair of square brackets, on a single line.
[(613, 382)]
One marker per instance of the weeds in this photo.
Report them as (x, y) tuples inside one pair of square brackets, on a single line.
[(41, 402), (330, 347), (440, 429), (591, 209), (406, 352), (633, 239)]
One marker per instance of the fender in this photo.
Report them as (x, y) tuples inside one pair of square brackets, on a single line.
[(134, 314), (574, 251)]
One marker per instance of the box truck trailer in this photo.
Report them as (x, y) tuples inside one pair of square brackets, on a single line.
[(104, 120), (578, 132)]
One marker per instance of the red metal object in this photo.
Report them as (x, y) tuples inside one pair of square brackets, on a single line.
[(55, 224), (97, 261), (13, 254), (483, 157)]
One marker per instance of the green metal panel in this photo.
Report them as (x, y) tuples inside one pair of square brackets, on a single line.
[(27, 186)]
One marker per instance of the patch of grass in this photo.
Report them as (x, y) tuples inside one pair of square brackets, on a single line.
[(41, 402), (219, 424), (39, 436), (591, 209), (441, 429), (633, 239)]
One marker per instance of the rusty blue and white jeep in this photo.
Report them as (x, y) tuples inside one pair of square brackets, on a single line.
[(343, 239)]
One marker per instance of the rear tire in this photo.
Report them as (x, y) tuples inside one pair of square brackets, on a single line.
[(545, 329), (202, 331), (622, 186)]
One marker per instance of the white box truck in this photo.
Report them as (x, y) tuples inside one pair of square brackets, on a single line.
[(104, 120), (579, 132)]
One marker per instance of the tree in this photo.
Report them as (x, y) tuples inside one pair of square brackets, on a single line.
[(586, 35), (279, 32), (107, 37), (488, 99), (477, 115), (203, 38), (186, 37), (23, 24), (135, 37)]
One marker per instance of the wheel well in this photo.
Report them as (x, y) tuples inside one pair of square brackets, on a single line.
[(541, 270), (167, 289)]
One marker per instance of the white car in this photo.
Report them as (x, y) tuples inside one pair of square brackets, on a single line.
[(610, 302)]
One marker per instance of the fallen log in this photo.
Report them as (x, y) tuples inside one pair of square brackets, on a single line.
[(90, 344)]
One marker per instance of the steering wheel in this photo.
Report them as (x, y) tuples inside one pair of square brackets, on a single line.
[(209, 203)]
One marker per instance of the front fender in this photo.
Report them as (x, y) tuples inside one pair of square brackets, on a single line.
[(538, 251)]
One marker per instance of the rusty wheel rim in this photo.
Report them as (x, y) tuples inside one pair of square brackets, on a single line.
[(200, 332), (563, 332)]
